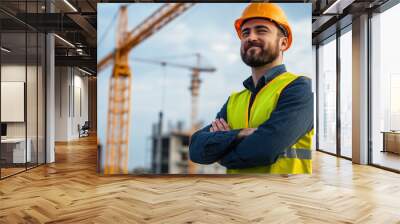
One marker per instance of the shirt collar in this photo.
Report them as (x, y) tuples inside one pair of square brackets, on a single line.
[(267, 77)]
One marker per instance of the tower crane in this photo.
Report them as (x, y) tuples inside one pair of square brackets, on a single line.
[(116, 156), (195, 82)]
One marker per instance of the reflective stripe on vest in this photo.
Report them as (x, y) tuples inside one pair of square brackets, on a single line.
[(296, 153), (294, 160)]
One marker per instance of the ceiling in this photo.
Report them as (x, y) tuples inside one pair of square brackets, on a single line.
[(76, 21), (332, 15)]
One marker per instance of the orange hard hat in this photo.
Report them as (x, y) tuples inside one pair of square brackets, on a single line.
[(268, 11)]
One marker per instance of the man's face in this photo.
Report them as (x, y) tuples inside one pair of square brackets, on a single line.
[(261, 42)]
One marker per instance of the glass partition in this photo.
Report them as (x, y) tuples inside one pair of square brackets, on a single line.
[(327, 96), (385, 89), (14, 154), (22, 77)]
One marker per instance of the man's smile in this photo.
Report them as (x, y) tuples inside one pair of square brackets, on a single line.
[(253, 49)]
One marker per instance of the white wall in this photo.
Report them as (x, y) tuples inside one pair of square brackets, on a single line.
[(62, 81), (12, 73), (33, 126), (71, 93), (80, 89)]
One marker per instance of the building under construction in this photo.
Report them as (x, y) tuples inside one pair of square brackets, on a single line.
[(170, 153)]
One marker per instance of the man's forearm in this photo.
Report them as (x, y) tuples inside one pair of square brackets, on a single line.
[(208, 147)]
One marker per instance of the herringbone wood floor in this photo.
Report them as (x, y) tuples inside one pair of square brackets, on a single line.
[(69, 191)]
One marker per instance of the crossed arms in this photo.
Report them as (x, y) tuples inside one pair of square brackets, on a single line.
[(244, 148)]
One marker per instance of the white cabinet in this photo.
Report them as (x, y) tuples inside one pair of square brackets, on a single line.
[(12, 101), (18, 149)]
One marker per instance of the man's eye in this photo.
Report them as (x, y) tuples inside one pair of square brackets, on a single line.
[(245, 34), (262, 31)]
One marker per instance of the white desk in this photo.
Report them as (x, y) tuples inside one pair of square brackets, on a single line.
[(18, 149)]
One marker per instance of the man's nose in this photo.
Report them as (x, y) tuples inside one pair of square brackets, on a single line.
[(252, 37)]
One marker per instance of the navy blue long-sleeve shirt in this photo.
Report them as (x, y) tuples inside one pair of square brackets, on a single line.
[(291, 119)]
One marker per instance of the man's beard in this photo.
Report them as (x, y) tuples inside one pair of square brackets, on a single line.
[(263, 57)]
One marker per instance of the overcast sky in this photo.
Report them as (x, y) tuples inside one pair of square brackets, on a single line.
[(205, 28)]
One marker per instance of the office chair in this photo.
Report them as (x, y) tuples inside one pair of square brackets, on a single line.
[(84, 130)]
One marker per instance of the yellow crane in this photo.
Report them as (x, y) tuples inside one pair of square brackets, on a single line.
[(117, 142)]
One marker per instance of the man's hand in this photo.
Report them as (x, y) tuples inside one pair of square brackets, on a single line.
[(219, 125), (246, 132)]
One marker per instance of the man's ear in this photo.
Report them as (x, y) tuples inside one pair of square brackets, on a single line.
[(283, 43)]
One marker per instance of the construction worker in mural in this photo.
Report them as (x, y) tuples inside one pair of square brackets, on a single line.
[(268, 126)]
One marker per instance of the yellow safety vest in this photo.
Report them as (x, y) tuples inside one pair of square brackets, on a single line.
[(297, 158)]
